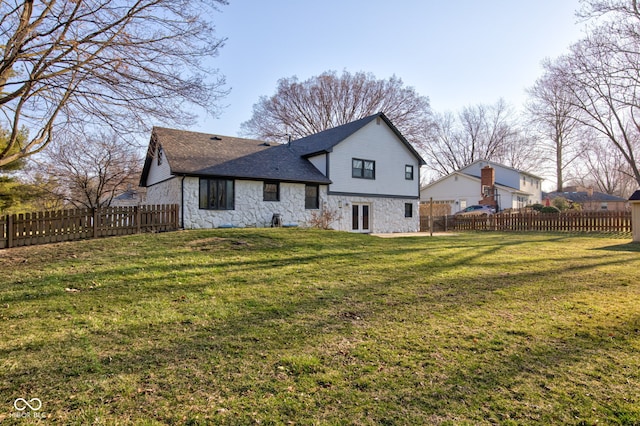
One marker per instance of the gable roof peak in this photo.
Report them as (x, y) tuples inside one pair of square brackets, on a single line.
[(324, 141)]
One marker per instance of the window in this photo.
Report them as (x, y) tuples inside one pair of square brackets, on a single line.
[(408, 172), (216, 194), (364, 169), (311, 197), (408, 209), (271, 191)]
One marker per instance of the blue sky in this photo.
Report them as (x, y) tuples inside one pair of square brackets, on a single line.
[(457, 53)]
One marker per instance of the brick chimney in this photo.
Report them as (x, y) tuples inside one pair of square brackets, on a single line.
[(590, 191), (487, 186)]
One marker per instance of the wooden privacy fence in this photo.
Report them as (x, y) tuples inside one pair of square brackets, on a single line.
[(611, 221), (79, 224)]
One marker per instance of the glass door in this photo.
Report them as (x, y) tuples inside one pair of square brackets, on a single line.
[(360, 217)]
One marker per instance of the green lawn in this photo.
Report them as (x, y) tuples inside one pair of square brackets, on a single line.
[(293, 326)]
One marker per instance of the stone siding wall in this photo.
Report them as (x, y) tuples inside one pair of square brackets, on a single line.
[(386, 214), (250, 209), (167, 192)]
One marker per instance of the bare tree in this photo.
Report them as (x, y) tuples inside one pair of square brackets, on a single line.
[(552, 113), (114, 63), (478, 132), (605, 170), (299, 108), (88, 171), (603, 83)]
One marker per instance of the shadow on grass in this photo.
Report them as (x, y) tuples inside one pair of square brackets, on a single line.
[(633, 247), (235, 358)]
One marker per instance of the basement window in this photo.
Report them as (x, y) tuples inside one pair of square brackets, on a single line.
[(408, 209)]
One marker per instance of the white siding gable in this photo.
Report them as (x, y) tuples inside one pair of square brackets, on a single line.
[(374, 142), (504, 175), (158, 173), (320, 163)]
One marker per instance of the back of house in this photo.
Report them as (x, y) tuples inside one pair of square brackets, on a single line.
[(362, 177)]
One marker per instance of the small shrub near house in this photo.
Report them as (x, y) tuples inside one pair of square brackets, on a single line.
[(323, 219), (561, 203)]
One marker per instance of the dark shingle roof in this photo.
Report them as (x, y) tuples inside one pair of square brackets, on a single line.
[(278, 162), (202, 154)]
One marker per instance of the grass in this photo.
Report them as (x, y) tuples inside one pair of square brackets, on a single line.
[(294, 326)]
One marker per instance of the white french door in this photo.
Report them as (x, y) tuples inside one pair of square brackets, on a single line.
[(360, 217)]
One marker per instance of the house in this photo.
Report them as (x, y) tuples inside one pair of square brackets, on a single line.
[(362, 176), (129, 197), (588, 199), (484, 182)]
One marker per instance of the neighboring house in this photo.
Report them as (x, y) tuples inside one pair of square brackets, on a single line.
[(363, 174), (485, 182), (589, 199), (130, 197)]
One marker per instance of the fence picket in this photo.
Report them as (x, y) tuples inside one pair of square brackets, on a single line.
[(78, 224), (617, 221)]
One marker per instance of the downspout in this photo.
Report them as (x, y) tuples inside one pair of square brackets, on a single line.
[(182, 203)]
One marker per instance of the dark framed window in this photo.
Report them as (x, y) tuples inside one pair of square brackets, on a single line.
[(363, 169), (311, 197), (216, 194), (408, 172), (271, 191), (408, 209)]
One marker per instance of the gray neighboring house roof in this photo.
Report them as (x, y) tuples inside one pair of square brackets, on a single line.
[(200, 154), (583, 197)]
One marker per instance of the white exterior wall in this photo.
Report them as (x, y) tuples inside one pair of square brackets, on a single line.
[(320, 163), (165, 192), (533, 186), (504, 176), (158, 173), (460, 190), (508, 200), (250, 210), (386, 215), (379, 143)]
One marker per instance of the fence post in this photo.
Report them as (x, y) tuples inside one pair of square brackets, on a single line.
[(95, 222), (431, 216), (10, 230), (634, 200), (138, 219)]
